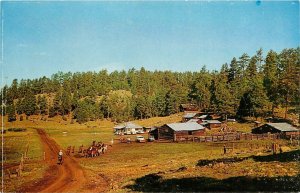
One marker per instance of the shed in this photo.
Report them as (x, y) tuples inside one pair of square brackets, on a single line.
[(282, 128), (186, 117), (128, 128), (194, 121), (211, 123), (202, 117), (188, 107)]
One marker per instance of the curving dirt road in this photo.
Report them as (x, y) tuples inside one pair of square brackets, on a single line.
[(68, 177)]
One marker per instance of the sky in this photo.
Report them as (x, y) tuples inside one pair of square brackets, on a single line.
[(42, 38)]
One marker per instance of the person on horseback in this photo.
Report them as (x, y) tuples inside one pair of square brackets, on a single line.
[(60, 157)]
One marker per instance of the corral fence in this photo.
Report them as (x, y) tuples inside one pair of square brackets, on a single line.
[(225, 137)]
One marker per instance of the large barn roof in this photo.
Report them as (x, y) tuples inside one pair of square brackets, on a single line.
[(283, 126), (192, 126)]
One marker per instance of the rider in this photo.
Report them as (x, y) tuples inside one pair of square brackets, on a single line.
[(60, 154)]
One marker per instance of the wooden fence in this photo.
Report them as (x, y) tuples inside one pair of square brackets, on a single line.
[(225, 137), (18, 169)]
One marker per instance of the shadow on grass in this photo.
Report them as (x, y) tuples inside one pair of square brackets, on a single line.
[(155, 183), (282, 157)]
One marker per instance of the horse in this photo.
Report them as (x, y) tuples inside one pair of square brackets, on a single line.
[(91, 151), (104, 148), (60, 159), (68, 150), (80, 149)]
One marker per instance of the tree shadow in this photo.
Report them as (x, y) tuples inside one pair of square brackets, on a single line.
[(155, 183), (281, 157)]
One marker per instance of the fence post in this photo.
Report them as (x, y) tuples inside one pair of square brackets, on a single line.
[(22, 163), (44, 155), (26, 152)]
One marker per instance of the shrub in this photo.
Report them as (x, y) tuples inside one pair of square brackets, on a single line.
[(21, 118), (17, 129)]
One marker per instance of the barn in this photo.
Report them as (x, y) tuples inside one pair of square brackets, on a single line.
[(174, 130), (282, 128), (128, 128)]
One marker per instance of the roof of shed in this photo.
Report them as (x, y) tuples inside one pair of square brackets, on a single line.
[(192, 126), (193, 121), (189, 105), (283, 126), (190, 115), (202, 116), (212, 121)]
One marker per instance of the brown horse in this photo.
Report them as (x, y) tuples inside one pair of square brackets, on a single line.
[(80, 149), (68, 150)]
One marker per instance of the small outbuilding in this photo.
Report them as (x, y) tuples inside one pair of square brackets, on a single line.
[(194, 120), (282, 128), (128, 129), (188, 116), (211, 124), (188, 107)]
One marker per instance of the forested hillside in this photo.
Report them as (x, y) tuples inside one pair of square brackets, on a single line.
[(247, 86)]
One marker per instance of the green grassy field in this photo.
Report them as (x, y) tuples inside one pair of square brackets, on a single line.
[(15, 144), (127, 167), (124, 163)]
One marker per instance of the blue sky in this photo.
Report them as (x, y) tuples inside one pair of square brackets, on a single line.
[(42, 38)]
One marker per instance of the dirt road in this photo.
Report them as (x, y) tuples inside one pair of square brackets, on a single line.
[(68, 177)]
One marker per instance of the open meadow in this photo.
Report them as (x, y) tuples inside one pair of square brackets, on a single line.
[(152, 166)]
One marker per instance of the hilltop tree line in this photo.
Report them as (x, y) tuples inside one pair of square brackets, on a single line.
[(247, 86)]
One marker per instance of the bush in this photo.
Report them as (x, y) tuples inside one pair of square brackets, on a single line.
[(17, 129), (21, 118), (72, 121)]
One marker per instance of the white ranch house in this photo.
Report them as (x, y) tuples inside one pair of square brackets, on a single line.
[(128, 128)]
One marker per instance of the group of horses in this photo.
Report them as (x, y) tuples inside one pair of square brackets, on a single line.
[(96, 149)]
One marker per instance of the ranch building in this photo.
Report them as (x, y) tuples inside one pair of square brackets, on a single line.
[(188, 116), (195, 120), (174, 130), (188, 107), (210, 124), (281, 128), (128, 129)]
